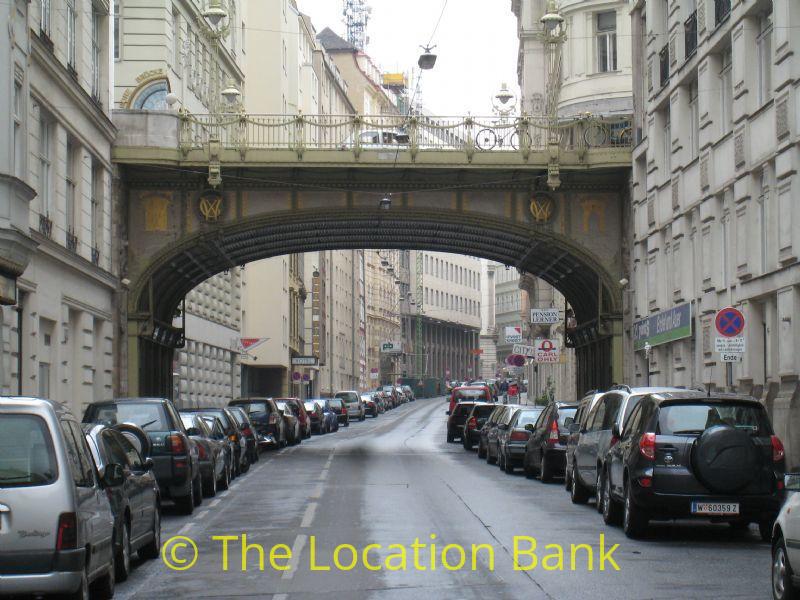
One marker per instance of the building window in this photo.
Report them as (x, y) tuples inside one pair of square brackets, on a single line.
[(153, 97), (764, 43), (97, 209), (45, 150), (71, 183), (726, 92), (667, 143), (694, 126), (72, 23), (44, 380), (19, 137), (763, 200), (96, 68), (606, 41), (233, 27), (176, 40), (44, 18), (117, 30)]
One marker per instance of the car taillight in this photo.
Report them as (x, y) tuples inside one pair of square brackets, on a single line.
[(519, 436), (247, 431), (777, 449), (647, 446), (552, 437), (472, 423), (67, 537), (273, 419), (232, 437), (176, 444), (201, 452), (614, 440)]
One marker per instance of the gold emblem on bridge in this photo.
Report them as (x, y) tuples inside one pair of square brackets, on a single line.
[(211, 205), (542, 208)]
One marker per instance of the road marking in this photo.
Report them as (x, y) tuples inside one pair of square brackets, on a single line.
[(186, 528), (201, 514), (308, 517), (214, 502), (317, 493), (280, 597), (323, 475), (297, 550)]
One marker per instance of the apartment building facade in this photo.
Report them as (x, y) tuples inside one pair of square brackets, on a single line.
[(716, 194), (57, 223)]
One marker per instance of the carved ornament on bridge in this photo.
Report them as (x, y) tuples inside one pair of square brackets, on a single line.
[(210, 205), (542, 208)]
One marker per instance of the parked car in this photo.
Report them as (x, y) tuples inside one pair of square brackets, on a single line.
[(47, 470), (409, 393), (248, 432), (174, 455), (595, 437), (330, 416), (493, 434), (210, 454), (785, 552), (339, 407), (394, 401), (546, 448), (316, 418), (688, 454), (241, 463), (135, 502), (585, 405), (371, 405), (478, 393), (266, 418), (475, 421), (489, 424), (296, 405), (457, 419), (292, 423), (352, 400), (511, 441), (218, 433)]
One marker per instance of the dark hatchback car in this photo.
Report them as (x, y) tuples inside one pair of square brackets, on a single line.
[(136, 503), (339, 407), (330, 419), (248, 432), (546, 450), (457, 419), (475, 421), (218, 433), (489, 424), (495, 425), (686, 454), (299, 411), (512, 440), (241, 463), (174, 455), (266, 418), (210, 454), (315, 416)]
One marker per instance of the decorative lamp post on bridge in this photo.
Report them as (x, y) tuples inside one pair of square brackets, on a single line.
[(553, 35)]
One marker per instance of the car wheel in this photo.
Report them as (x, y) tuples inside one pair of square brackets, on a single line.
[(347, 422), (489, 458), (245, 466), (152, 549), (104, 587), (225, 479), (186, 503), (634, 522), (611, 509), (450, 438), (466, 442), (123, 550), (198, 491), (546, 469), (783, 587), (481, 450), (211, 487), (508, 466), (567, 479), (500, 459), (598, 494), (577, 491), (527, 468)]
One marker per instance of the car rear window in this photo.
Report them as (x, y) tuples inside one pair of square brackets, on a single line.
[(150, 416), (336, 402), (255, 409), (483, 410), (311, 406), (348, 397), (238, 416), (26, 452), (528, 417), (696, 417), (462, 409), (187, 420), (564, 414), (472, 394)]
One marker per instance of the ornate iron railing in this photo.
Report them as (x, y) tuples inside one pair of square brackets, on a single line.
[(398, 134)]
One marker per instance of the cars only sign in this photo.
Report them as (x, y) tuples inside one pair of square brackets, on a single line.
[(547, 351)]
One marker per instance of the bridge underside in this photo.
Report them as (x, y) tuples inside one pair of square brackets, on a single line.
[(573, 242)]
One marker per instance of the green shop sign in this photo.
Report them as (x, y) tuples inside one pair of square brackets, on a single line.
[(666, 326)]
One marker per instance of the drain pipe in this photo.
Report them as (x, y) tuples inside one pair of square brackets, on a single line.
[(18, 308)]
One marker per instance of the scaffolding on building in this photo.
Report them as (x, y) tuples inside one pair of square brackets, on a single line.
[(355, 14)]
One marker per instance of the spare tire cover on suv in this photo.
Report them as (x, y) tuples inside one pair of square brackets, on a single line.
[(725, 459), (136, 436)]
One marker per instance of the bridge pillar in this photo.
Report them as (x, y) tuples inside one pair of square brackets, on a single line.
[(617, 351)]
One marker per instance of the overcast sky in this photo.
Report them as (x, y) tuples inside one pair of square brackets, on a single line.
[(476, 44)]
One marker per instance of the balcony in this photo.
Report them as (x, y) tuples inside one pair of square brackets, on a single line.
[(690, 35), (96, 256), (722, 9), (663, 65), (45, 226), (72, 241)]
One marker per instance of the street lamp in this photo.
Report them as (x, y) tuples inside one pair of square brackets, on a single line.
[(231, 93), (648, 350), (553, 35), (211, 24), (427, 59)]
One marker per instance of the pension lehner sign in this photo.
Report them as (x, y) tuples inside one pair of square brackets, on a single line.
[(665, 326)]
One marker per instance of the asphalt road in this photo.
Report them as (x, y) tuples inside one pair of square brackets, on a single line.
[(392, 479)]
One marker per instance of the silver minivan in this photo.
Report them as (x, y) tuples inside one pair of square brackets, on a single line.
[(355, 407), (56, 524)]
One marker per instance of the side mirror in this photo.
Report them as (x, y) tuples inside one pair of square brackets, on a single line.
[(615, 432), (447, 412), (502, 426), (148, 464), (791, 482), (113, 475), (529, 427), (193, 431)]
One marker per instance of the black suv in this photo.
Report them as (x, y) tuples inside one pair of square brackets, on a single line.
[(546, 449), (175, 460), (457, 420), (688, 454), (475, 420)]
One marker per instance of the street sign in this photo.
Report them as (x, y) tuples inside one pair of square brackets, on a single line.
[(304, 361), (392, 348), (729, 322), (545, 316), (373, 375), (730, 357), (666, 326), (306, 377), (529, 351), (734, 345), (515, 360), (547, 351), (296, 376), (513, 335)]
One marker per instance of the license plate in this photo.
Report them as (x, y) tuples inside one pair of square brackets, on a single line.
[(715, 508)]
